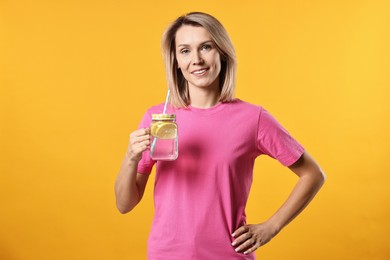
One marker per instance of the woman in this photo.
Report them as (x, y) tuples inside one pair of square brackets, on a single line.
[(200, 198)]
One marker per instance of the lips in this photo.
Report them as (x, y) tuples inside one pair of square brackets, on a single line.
[(200, 72)]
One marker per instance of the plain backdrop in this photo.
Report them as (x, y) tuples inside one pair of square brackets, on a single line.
[(77, 76)]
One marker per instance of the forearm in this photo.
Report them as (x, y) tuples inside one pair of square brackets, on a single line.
[(126, 189), (248, 238), (303, 192)]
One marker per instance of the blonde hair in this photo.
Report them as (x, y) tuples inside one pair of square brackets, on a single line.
[(176, 81)]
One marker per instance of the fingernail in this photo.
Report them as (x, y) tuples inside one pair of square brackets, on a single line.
[(237, 249), (233, 235), (234, 243)]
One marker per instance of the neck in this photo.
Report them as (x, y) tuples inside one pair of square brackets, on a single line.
[(204, 97)]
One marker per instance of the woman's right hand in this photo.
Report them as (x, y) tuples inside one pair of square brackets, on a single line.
[(139, 142)]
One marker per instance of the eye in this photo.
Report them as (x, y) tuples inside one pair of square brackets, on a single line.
[(184, 51), (207, 47)]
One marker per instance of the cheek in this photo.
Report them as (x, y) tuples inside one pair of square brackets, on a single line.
[(181, 63), (218, 64)]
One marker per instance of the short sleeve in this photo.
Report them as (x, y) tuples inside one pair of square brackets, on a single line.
[(145, 165), (275, 141)]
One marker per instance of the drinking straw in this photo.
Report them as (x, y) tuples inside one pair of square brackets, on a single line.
[(166, 102), (164, 111)]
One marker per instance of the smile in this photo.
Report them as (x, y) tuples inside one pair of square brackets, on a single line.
[(200, 72)]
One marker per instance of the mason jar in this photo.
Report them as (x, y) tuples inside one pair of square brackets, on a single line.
[(164, 141)]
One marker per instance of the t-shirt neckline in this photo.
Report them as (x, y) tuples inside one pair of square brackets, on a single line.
[(208, 111)]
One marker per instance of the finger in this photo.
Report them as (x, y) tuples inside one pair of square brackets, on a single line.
[(140, 132), (134, 139), (142, 138), (145, 143), (142, 146), (246, 245), (241, 230), (241, 239), (136, 148), (252, 249)]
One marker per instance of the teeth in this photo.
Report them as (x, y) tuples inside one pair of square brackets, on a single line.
[(199, 71)]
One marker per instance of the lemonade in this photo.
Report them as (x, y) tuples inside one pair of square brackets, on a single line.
[(163, 130), (164, 144)]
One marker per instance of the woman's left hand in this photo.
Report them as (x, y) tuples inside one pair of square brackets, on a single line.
[(249, 238)]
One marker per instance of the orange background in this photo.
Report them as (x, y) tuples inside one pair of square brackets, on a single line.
[(77, 76)]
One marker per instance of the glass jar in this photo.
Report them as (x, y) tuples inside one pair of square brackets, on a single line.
[(164, 141)]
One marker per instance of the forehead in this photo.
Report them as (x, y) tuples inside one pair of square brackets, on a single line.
[(191, 35)]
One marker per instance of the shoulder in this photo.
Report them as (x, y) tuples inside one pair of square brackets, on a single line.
[(245, 107), (159, 109), (156, 109)]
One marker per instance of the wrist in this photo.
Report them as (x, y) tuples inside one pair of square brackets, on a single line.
[(274, 225), (131, 158)]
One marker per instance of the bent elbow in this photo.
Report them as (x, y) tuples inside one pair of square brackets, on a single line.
[(123, 209), (321, 177)]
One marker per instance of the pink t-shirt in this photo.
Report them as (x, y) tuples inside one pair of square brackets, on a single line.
[(200, 198)]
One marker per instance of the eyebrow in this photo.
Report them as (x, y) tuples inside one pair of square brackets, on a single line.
[(186, 45)]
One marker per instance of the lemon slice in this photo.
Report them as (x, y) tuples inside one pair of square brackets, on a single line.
[(154, 128), (164, 130)]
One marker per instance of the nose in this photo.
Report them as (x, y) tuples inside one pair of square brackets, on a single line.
[(197, 58)]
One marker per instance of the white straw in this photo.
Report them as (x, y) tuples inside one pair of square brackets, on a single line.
[(164, 111), (166, 102)]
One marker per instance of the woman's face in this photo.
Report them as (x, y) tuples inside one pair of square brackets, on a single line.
[(197, 57)]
